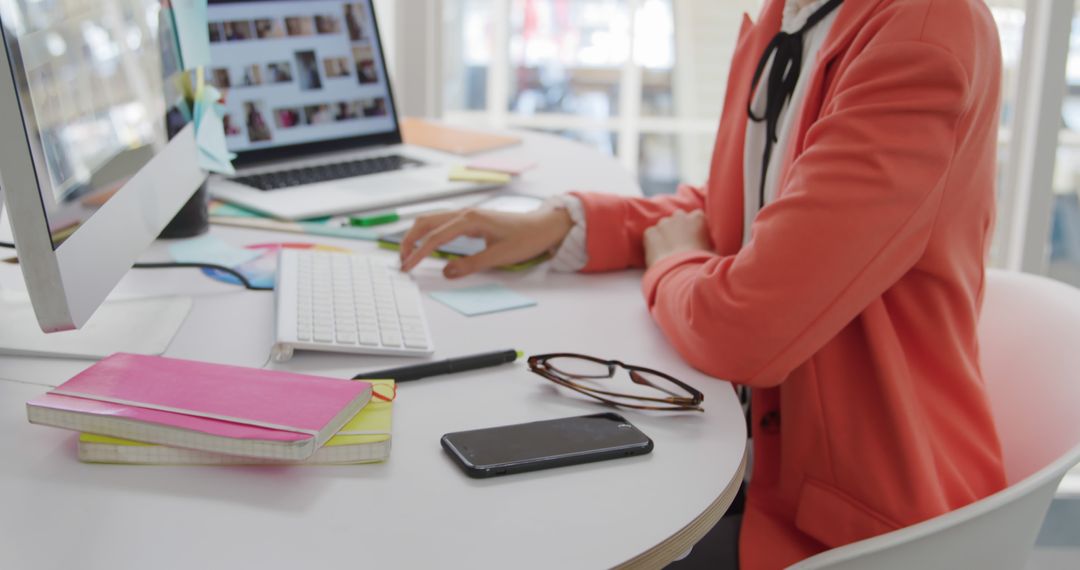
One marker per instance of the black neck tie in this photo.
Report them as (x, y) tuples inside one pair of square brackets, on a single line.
[(783, 77)]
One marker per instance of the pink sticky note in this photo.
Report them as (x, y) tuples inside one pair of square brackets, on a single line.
[(514, 166)]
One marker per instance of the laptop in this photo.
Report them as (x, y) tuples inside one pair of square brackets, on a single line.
[(310, 112)]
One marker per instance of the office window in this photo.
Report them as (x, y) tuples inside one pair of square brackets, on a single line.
[(468, 43), (1010, 18), (1064, 237), (642, 80), (1039, 219), (567, 57)]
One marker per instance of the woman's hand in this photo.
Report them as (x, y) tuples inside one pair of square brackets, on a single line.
[(679, 233), (511, 238)]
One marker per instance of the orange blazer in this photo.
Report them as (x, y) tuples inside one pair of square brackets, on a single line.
[(851, 311)]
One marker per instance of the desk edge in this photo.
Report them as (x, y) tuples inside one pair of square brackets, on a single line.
[(682, 541)]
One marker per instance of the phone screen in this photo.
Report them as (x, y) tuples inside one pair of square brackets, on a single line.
[(561, 442)]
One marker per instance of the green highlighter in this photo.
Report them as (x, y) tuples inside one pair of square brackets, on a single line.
[(377, 220), (402, 213)]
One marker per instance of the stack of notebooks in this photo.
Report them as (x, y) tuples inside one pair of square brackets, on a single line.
[(154, 410)]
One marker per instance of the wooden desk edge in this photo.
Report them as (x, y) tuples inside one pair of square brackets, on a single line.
[(666, 552)]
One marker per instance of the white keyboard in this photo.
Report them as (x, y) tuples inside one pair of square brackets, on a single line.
[(341, 302)]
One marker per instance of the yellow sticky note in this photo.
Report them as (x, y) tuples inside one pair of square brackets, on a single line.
[(463, 174)]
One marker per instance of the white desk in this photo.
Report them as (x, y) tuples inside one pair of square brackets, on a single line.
[(417, 510)]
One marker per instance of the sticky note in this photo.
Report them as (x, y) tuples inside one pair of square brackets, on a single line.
[(225, 210), (482, 300), (331, 230), (192, 32), (514, 166), (210, 249), (463, 174), (214, 153)]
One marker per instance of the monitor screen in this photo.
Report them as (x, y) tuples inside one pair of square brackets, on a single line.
[(89, 81), (298, 72)]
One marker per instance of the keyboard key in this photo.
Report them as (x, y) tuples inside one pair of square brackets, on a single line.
[(412, 331), (390, 339), (409, 310)]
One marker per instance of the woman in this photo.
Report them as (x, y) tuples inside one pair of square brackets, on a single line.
[(833, 263)]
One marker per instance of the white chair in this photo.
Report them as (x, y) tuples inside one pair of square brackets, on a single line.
[(1029, 336)]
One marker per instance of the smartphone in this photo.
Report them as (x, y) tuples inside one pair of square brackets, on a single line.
[(463, 246), (531, 446)]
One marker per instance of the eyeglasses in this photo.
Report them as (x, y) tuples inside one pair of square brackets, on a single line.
[(580, 373)]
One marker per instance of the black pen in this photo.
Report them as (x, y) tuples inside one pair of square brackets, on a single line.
[(449, 366)]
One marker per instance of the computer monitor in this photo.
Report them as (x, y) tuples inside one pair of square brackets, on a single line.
[(89, 174)]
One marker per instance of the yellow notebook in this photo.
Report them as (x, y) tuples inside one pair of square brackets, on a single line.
[(365, 439), (462, 174)]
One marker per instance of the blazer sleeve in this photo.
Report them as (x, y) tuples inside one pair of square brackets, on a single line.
[(855, 214), (615, 224)]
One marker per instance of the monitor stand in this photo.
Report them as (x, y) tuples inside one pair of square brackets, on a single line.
[(140, 326)]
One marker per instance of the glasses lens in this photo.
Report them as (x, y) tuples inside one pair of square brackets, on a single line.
[(627, 387), (572, 367)]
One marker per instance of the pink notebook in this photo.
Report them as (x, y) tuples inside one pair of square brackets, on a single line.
[(208, 407)]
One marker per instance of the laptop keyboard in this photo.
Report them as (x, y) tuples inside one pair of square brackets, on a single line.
[(326, 172)]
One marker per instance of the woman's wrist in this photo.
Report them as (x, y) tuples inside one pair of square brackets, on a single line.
[(558, 220), (566, 216)]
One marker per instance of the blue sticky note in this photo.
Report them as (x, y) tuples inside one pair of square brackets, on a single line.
[(331, 230), (214, 153), (210, 249), (226, 210), (482, 300), (192, 32)]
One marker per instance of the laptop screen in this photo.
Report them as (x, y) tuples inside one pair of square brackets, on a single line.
[(297, 72)]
